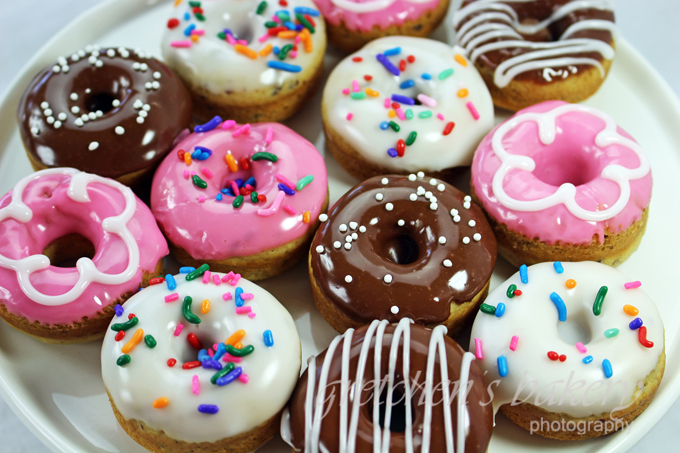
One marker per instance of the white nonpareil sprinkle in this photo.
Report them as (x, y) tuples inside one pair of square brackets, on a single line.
[(75, 57), (420, 191), (45, 105), (389, 206), (467, 198), (319, 249), (447, 263), (362, 229), (337, 244), (441, 187), (433, 182), (93, 146), (115, 103), (466, 205), (136, 66), (348, 246), (428, 194), (57, 124), (355, 236), (342, 228), (421, 174), (411, 177), (348, 238), (47, 112), (92, 115), (74, 96), (387, 278), (156, 75), (401, 222), (143, 67), (477, 237), (373, 221), (353, 225), (436, 299), (456, 218), (65, 68), (99, 113), (146, 107), (384, 181), (78, 122), (466, 240), (155, 85), (379, 196), (472, 223), (56, 69), (454, 212), (434, 206), (413, 197), (50, 120), (110, 53), (138, 104), (442, 240), (348, 278), (143, 113), (433, 199), (394, 309), (120, 130), (62, 116), (323, 217), (140, 120), (35, 131), (147, 85)]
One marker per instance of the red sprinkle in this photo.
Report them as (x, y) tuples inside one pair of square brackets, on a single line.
[(310, 20), (190, 365), (180, 154), (245, 163), (197, 10), (120, 335), (401, 146), (518, 292), (262, 198), (194, 341), (172, 23), (156, 281), (368, 78), (396, 105), (563, 358), (243, 191), (283, 3), (402, 65), (552, 355), (275, 30), (357, 59), (411, 58), (449, 127), (642, 337), (295, 47), (131, 315), (171, 362)]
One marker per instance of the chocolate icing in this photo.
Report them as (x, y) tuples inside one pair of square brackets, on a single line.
[(422, 287), (139, 146), (481, 417), (535, 11)]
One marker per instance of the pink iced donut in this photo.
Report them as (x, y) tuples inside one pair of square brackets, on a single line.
[(563, 182), (282, 189), (61, 214)]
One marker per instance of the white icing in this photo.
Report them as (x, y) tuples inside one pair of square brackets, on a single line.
[(88, 272), (506, 26), (369, 6), (533, 318), (566, 193), (432, 151), (272, 371)]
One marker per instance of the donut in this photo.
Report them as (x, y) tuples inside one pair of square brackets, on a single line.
[(415, 369), (430, 117), (538, 50), (189, 366), (53, 218), (249, 60), (570, 351), (281, 188), (563, 182), (398, 247), (112, 112), (354, 23)]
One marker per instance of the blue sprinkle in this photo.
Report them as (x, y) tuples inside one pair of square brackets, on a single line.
[(588, 359), (187, 31), (218, 197), (227, 31), (140, 289), (500, 309), (210, 125), (426, 76), (607, 368), (403, 99), (268, 338), (407, 84), (304, 10), (221, 350), (387, 64), (283, 66), (186, 269), (289, 25), (208, 409), (384, 125), (635, 324), (299, 27), (287, 190), (196, 154), (523, 274), (118, 309), (238, 300), (227, 191), (230, 376), (558, 267), (239, 182), (204, 156), (203, 149), (276, 50), (502, 366), (187, 16), (561, 308), (393, 51), (392, 152), (170, 281), (251, 181), (203, 355), (211, 363)]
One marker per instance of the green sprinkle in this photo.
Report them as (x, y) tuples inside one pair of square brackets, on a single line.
[(409, 114), (270, 24), (488, 309), (253, 197), (261, 7), (198, 182), (150, 341), (222, 35), (511, 291), (301, 184), (411, 138), (200, 17), (599, 299), (238, 201), (125, 325), (246, 350), (305, 23), (425, 114), (266, 156), (395, 127), (223, 372), (123, 360), (195, 4), (193, 275), (611, 333), (445, 73), (283, 16), (186, 311), (358, 95), (283, 53)]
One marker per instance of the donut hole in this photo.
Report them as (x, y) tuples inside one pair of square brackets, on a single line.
[(100, 101), (67, 250), (561, 165), (575, 329), (242, 30), (207, 339), (398, 411), (401, 249), (243, 175)]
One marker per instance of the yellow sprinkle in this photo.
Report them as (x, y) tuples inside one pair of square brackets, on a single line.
[(236, 337), (205, 306), (134, 341), (571, 283), (463, 92), (194, 38), (391, 113), (288, 34), (372, 93), (460, 59), (630, 310), (266, 50), (231, 162), (187, 158), (238, 345), (160, 403), (177, 2), (247, 51)]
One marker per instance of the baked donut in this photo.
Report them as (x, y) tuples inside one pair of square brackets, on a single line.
[(248, 200), (538, 50), (111, 112), (402, 105), (190, 367), (354, 23), (563, 182), (398, 247), (53, 218), (249, 60), (576, 351), (409, 370)]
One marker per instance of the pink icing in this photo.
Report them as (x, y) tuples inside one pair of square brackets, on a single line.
[(215, 229), (572, 157), (395, 14), (55, 215)]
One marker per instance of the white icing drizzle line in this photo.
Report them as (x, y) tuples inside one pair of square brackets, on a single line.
[(370, 6), (479, 30), (88, 272), (566, 193), (381, 441)]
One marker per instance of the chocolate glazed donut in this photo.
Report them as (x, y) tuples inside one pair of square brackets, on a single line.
[(411, 371), (112, 112), (398, 246)]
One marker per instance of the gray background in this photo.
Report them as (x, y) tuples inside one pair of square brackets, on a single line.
[(25, 25)]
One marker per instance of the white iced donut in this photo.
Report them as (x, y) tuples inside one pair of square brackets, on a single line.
[(570, 341), (168, 385), (401, 105)]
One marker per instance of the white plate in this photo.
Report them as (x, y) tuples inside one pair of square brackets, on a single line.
[(57, 390)]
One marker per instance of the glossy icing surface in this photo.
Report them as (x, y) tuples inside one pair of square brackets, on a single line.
[(571, 386), (537, 40), (452, 89), (363, 15), (420, 246), (415, 367), (272, 371), (212, 229), (562, 172), (105, 111), (216, 65), (53, 203)]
